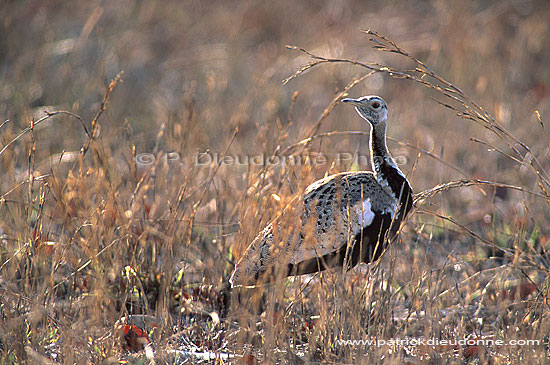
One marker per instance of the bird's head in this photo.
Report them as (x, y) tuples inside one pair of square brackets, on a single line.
[(372, 108)]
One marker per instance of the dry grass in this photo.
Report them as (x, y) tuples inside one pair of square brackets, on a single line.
[(106, 221)]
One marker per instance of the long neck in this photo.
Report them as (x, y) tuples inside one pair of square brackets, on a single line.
[(386, 170)]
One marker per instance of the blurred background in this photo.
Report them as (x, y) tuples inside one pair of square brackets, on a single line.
[(207, 76), (227, 59)]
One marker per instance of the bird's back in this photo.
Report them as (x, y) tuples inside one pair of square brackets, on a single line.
[(334, 213)]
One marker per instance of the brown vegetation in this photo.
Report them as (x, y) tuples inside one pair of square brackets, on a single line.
[(115, 235)]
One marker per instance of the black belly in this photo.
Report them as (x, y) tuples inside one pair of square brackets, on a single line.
[(367, 246)]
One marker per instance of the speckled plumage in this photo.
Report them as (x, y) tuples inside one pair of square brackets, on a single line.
[(343, 219)]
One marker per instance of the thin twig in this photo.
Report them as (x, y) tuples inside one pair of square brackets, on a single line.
[(471, 110), (426, 194), (39, 121)]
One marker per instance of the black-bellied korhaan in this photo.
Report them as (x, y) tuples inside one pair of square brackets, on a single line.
[(343, 219)]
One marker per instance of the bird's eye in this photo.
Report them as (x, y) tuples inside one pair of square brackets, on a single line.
[(375, 105)]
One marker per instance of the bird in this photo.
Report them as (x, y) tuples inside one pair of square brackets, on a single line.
[(339, 221)]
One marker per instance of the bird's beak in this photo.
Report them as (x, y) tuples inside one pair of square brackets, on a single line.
[(351, 101)]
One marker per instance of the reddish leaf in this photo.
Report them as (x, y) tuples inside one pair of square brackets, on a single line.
[(471, 351), (249, 360), (521, 291), (135, 339)]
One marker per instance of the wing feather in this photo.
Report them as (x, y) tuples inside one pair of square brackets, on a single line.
[(334, 211)]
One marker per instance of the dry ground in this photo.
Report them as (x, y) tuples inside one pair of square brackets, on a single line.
[(112, 214)]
